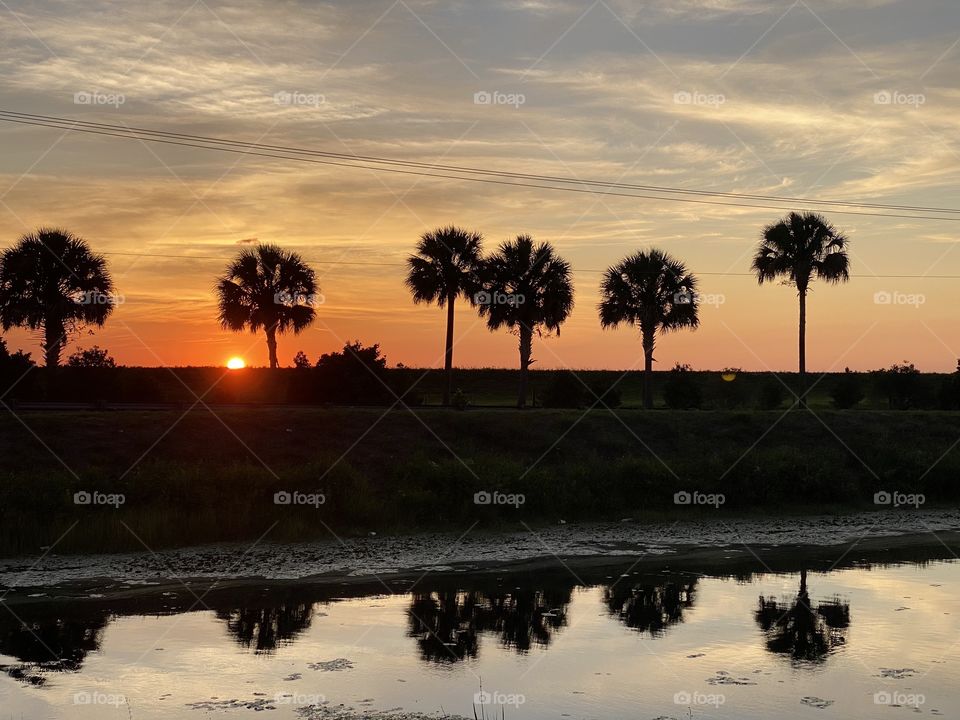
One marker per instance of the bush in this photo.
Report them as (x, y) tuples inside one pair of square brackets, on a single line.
[(605, 396), (357, 374), (565, 390), (732, 392), (92, 358), (846, 392), (900, 385), (950, 391), (772, 395), (682, 391)]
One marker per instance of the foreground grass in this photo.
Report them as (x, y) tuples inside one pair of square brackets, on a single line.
[(204, 478)]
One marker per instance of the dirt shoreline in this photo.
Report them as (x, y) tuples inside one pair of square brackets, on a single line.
[(77, 578)]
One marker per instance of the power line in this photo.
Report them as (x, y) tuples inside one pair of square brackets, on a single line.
[(454, 172), (223, 258)]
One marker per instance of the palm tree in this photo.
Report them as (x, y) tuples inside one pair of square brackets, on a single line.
[(51, 280), (799, 248), (528, 289), (654, 292), (267, 288), (446, 265)]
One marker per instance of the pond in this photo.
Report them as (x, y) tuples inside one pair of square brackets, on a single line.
[(801, 634)]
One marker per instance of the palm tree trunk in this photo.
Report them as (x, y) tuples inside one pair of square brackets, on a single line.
[(526, 349), (648, 370), (272, 345), (448, 353), (54, 335), (803, 347)]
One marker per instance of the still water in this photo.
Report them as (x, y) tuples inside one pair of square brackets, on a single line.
[(866, 640)]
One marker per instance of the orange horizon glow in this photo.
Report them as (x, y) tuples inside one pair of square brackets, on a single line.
[(236, 363)]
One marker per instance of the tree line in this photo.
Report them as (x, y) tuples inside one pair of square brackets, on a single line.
[(52, 282)]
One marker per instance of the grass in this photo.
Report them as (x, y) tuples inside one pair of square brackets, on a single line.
[(206, 478)]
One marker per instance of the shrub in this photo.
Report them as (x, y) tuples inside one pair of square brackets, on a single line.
[(900, 385), (356, 374), (95, 357), (565, 390), (846, 392), (682, 391), (772, 395)]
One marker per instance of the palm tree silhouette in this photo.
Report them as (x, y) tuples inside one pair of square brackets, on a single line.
[(528, 289), (800, 630), (653, 291), (799, 248), (446, 265), (267, 288), (51, 280)]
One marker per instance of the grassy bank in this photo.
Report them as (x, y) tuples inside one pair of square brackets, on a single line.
[(202, 478)]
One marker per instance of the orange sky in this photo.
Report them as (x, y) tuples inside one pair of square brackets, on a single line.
[(793, 112)]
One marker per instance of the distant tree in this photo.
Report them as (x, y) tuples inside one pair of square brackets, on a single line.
[(847, 392), (798, 249), (653, 292), (528, 289), (94, 357), (270, 289), (357, 374), (300, 360), (50, 280), (682, 390), (18, 362), (446, 266)]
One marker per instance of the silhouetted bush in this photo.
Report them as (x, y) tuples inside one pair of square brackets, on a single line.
[(682, 391), (732, 392), (604, 396), (772, 395), (950, 391), (94, 357), (565, 390), (357, 374), (846, 391), (900, 385)]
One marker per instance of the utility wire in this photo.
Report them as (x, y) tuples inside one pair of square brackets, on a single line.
[(400, 264), (452, 171)]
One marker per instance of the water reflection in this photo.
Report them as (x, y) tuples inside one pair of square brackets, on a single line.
[(446, 624), (800, 630), (43, 643), (650, 607), (264, 626)]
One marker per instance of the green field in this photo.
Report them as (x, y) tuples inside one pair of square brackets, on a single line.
[(200, 477)]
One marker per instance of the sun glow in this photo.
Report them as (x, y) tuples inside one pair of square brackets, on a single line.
[(236, 363)]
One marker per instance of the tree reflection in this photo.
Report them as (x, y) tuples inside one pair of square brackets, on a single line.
[(264, 626), (798, 629), (447, 624), (42, 644), (649, 607)]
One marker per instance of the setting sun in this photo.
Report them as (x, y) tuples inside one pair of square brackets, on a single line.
[(236, 363)]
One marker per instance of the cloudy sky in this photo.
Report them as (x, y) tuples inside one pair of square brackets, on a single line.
[(834, 99)]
